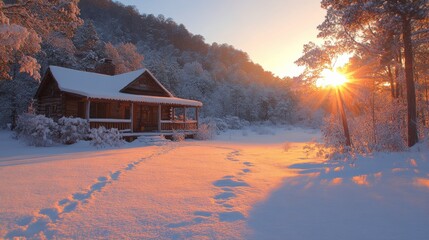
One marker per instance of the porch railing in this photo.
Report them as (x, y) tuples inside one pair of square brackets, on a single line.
[(169, 125), (121, 124), (125, 125)]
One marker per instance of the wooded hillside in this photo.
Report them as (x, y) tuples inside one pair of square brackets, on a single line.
[(222, 77)]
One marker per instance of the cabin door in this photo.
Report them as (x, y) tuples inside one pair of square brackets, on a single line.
[(145, 118)]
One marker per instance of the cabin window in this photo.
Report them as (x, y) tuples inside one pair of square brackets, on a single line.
[(99, 109), (191, 114), (179, 114)]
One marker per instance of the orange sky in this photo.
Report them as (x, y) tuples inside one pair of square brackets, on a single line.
[(272, 32)]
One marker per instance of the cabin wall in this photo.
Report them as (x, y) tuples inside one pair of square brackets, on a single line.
[(74, 106), (50, 101)]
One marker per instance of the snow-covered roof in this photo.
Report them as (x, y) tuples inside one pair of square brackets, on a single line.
[(100, 86)]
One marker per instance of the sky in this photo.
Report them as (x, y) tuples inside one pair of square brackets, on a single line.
[(272, 32)]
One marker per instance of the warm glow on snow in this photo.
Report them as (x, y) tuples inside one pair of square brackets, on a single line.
[(360, 180), (423, 182), (331, 79), (336, 181)]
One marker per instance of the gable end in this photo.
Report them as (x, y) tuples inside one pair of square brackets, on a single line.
[(147, 85)]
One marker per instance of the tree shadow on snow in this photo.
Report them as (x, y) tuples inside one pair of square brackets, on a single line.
[(341, 201)]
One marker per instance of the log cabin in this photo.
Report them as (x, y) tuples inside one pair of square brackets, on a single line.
[(134, 102)]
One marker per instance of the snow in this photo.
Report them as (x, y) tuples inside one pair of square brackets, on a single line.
[(255, 183), (100, 86)]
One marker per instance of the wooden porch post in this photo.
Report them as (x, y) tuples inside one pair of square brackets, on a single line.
[(132, 116), (184, 118), (196, 115), (173, 113), (159, 117), (88, 107)]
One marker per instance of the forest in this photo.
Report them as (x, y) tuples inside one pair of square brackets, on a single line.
[(386, 97), (222, 77)]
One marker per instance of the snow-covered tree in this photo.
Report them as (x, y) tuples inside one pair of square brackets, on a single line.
[(23, 24), (86, 37), (195, 82), (124, 56), (352, 24), (59, 50)]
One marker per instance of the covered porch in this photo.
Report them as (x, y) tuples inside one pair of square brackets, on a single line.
[(137, 118)]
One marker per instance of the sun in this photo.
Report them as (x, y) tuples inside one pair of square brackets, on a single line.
[(331, 78)]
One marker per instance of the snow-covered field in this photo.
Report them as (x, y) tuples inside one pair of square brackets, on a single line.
[(246, 184)]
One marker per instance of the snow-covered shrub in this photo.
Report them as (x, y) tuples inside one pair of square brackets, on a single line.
[(385, 130), (216, 123), (205, 132), (101, 137), (332, 132), (36, 130), (235, 122), (178, 136), (223, 124), (72, 130)]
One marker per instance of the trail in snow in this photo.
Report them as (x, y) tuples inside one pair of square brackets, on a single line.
[(43, 222), (228, 188)]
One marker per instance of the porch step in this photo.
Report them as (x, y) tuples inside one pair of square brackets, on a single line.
[(153, 140)]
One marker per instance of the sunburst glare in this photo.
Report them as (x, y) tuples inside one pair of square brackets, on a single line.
[(331, 78)]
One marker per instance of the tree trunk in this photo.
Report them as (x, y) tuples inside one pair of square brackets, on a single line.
[(391, 81), (344, 118), (409, 80)]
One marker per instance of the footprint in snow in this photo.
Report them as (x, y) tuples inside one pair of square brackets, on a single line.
[(130, 167), (24, 220), (230, 183), (232, 156), (98, 186), (225, 196), (64, 201), (249, 164), (52, 213), (115, 175), (231, 216)]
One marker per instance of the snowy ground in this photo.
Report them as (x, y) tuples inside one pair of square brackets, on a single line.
[(253, 184)]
